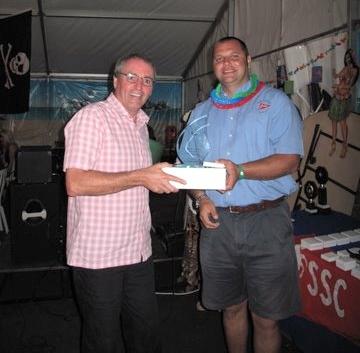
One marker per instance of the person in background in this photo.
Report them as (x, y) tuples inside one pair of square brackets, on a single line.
[(8, 149), (108, 177), (156, 148), (339, 109), (247, 254)]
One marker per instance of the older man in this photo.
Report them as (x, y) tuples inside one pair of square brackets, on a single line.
[(108, 178)]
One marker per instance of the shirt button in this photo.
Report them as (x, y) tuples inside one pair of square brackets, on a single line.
[(231, 118), (230, 135), (228, 153)]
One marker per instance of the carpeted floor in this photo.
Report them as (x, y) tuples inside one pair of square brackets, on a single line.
[(38, 314), (54, 326)]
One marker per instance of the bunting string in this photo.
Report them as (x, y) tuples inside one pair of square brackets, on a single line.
[(318, 57), (315, 59)]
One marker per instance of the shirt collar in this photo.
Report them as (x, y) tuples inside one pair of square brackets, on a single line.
[(243, 88), (141, 116)]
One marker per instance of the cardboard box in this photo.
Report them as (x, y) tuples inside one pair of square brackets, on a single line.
[(343, 253), (341, 239), (202, 178), (345, 263), (311, 244), (329, 256), (327, 241), (353, 235)]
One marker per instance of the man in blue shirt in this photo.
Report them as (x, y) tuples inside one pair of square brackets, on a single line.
[(247, 254)]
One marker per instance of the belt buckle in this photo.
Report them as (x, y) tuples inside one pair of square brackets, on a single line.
[(231, 210)]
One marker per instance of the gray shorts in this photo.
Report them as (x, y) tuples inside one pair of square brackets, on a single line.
[(251, 256)]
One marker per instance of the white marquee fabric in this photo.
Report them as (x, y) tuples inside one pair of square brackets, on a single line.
[(268, 25), (85, 37)]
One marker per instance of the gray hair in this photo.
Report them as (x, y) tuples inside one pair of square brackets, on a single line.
[(123, 60)]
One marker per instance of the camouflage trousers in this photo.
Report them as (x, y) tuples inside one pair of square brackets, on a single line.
[(190, 263)]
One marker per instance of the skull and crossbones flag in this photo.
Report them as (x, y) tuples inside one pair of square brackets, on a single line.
[(15, 53)]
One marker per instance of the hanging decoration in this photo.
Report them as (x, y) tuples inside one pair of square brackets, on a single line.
[(318, 57), (312, 61), (289, 87)]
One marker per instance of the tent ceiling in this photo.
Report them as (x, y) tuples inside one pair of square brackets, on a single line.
[(86, 37)]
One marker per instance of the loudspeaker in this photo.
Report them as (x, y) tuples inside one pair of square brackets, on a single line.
[(37, 237), (167, 274), (173, 241), (34, 164)]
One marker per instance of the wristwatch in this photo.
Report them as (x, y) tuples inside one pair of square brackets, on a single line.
[(197, 199)]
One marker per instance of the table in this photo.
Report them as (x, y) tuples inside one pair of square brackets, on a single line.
[(329, 294), (330, 311)]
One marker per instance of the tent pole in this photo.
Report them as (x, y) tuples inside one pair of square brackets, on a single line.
[(302, 41), (231, 18), (349, 22), (41, 13), (206, 37)]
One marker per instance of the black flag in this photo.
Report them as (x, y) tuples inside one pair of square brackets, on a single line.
[(15, 54)]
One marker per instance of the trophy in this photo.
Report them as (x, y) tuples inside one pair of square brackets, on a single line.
[(311, 191), (193, 145), (193, 149), (322, 177)]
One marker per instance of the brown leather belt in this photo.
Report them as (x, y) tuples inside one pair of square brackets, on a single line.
[(254, 207)]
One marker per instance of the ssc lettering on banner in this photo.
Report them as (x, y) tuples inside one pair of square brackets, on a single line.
[(329, 294)]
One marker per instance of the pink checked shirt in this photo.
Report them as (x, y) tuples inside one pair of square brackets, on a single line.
[(109, 230)]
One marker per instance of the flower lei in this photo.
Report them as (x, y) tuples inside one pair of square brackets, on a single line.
[(239, 98)]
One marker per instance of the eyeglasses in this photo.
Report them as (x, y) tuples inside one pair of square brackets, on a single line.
[(233, 59), (134, 78)]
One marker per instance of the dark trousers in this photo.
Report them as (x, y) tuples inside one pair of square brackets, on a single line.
[(106, 295)]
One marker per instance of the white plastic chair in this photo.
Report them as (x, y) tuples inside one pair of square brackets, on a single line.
[(3, 221)]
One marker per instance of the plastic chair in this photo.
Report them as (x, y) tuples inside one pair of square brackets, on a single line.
[(3, 221)]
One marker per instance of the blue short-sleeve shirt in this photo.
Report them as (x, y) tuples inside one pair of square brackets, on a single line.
[(267, 124)]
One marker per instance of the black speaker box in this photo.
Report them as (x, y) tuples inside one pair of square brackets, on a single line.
[(34, 164), (167, 274), (37, 237), (173, 241)]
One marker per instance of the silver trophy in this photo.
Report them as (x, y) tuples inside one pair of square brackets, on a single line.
[(193, 145)]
